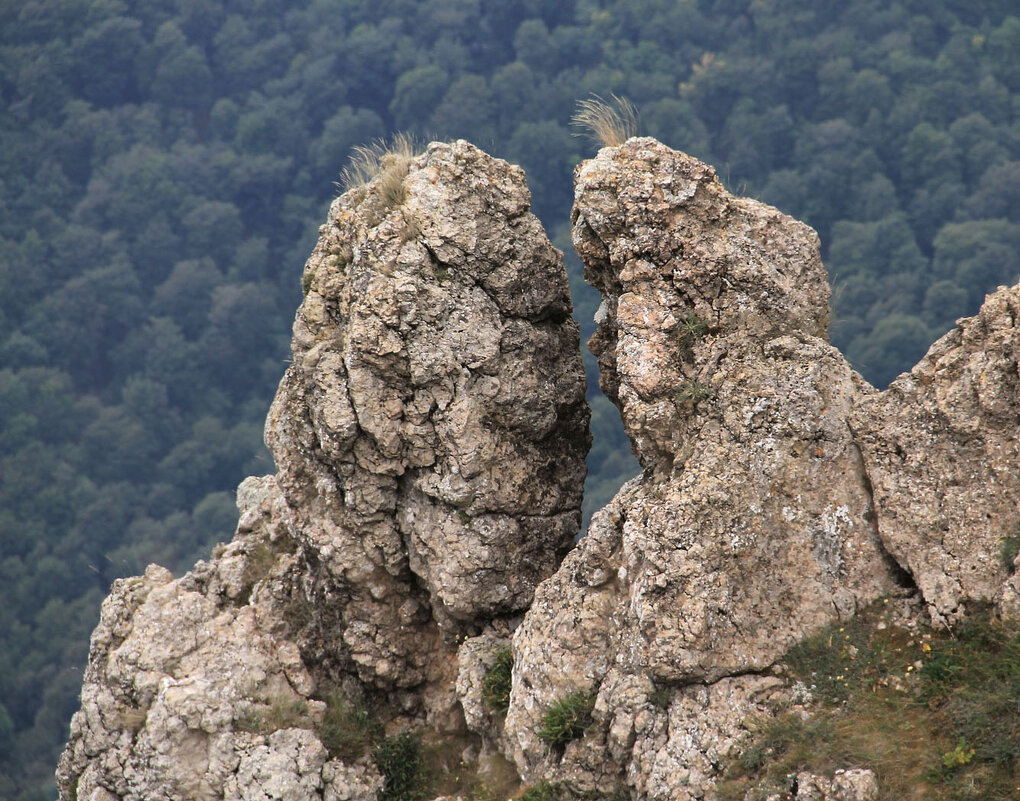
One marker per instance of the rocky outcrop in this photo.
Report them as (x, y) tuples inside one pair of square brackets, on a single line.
[(771, 502), (193, 688), (942, 452), (430, 437), (430, 434), (753, 523)]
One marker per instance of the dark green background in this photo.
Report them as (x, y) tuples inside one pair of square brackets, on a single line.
[(164, 166)]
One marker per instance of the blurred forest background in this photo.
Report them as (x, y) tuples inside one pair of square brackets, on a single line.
[(164, 166)]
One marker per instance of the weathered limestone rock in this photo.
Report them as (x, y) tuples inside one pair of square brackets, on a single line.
[(432, 426), (753, 523), (942, 452), (476, 657), (780, 491), (430, 439), (193, 692), (845, 785)]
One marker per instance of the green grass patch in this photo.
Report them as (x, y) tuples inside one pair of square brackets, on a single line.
[(497, 682), (949, 731), (567, 718), (348, 730), (400, 761)]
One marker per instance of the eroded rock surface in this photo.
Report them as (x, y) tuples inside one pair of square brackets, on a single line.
[(432, 427), (430, 439), (193, 689), (943, 454), (753, 522), (780, 491)]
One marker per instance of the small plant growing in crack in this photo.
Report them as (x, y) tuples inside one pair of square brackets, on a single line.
[(497, 682), (692, 392), (566, 719)]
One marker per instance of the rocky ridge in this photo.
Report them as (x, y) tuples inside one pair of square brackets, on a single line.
[(429, 439)]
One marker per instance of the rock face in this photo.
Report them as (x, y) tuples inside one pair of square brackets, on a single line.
[(430, 434), (185, 677), (943, 452), (772, 501), (430, 439)]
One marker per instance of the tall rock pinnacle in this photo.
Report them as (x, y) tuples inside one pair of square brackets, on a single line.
[(780, 492), (429, 437), (432, 428)]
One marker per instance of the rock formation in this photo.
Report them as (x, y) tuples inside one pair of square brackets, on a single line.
[(429, 439), (943, 454), (753, 523)]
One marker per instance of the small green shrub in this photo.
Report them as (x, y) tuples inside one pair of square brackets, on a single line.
[(692, 392), (689, 330), (566, 719), (347, 730), (399, 759), (1010, 547), (497, 682), (959, 756)]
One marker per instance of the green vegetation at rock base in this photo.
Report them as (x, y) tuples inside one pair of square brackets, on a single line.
[(935, 714)]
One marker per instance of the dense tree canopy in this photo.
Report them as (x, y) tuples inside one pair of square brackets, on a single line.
[(164, 165)]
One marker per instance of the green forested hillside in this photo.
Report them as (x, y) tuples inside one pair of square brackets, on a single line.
[(164, 165)]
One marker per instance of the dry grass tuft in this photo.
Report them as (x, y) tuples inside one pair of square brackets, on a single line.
[(606, 122), (385, 159)]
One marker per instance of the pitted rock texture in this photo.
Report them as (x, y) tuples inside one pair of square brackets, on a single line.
[(755, 522), (430, 439), (185, 677), (713, 343), (433, 427), (845, 785), (942, 450)]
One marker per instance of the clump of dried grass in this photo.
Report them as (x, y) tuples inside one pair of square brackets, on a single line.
[(385, 159), (606, 122)]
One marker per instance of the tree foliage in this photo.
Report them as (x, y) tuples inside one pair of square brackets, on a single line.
[(164, 166)]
